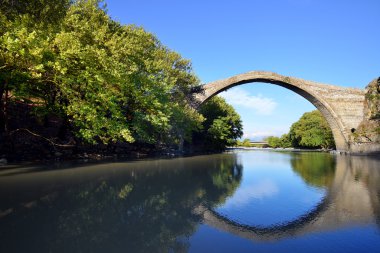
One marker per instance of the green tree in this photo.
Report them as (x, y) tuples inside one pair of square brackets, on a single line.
[(25, 61), (39, 11), (246, 142), (108, 81), (273, 141), (222, 125), (311, 131), (285, 141), (120, 82)]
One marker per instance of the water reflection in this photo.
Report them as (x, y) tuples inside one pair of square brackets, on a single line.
[(316, 169), (140, 207), (161, 205), (352, 198)]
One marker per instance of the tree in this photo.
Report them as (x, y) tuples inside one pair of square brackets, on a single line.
[(119, 82), (311, 131), (109, 82), (246, 143), (106, 82), (285, 141), (39, 11), (25, 58), (273, 141), (222, 125)]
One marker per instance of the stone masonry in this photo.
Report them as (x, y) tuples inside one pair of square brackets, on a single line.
[(342, 107)]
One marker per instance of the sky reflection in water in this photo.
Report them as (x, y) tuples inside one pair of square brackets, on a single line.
[(234, 202)]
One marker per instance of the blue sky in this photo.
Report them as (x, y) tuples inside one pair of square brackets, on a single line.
[(329, 41)]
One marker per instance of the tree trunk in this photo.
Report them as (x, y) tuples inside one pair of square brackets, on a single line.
[(3, 95), (5, 111)]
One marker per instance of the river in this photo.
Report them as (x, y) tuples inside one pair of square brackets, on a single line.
[(239, 201)]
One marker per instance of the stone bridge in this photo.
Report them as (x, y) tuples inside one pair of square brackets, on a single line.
[(347, 203), (342, 107)]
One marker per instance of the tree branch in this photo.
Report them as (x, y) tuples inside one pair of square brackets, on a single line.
[(42, 137)]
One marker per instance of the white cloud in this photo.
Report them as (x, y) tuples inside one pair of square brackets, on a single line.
[(260, 104), (260, 133), (264, 189)]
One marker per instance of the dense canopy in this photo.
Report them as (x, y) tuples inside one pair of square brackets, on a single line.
[(106, 82), (310, 131)]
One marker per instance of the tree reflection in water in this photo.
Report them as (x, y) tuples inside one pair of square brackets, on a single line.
[(316, 169), (351, 200), (157, 205), (134, 210)]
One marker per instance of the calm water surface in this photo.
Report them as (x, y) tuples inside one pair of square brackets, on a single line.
[(243, 201)]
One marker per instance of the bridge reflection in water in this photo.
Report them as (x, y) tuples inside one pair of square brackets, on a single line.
[(159, 205), (352, 198)]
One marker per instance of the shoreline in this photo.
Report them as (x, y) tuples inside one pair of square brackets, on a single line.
[(88, 157), (282, 149)]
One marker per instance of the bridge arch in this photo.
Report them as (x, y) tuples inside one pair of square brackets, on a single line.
[(345, 204), (330, 100), (259, 233)]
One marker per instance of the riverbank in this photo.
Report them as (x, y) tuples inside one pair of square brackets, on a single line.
[(33, 149), (281, 149), (37, 151)]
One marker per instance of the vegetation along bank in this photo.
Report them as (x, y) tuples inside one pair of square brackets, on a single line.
[(74, 81)]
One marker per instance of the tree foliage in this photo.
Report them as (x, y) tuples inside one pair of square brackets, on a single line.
[(276, 142), (109, 82), (38, 11), (312, 131), (222, 125), (244, 143)]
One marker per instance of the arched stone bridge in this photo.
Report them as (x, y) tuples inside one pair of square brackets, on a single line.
[(342, 107)]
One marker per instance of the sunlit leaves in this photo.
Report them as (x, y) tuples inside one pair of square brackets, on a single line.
[(312, 131), (109, 81), (222, 126)]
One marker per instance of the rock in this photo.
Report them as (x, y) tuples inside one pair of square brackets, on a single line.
[(372, 102), (368, 130)]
